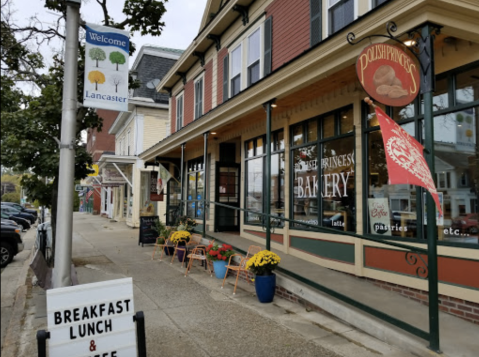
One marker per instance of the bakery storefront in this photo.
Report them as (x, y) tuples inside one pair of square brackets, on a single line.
[(326, 166)]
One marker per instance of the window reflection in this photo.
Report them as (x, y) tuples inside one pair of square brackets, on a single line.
[(337, 165), (467, 89), (399, 210)]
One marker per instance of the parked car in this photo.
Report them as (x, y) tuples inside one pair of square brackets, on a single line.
[(16, 213), (8, 222), (468, 223), (23, 224), (10, 244), (33, 212)]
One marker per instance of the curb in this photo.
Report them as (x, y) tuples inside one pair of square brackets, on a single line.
[(17, 320), (10, 345)]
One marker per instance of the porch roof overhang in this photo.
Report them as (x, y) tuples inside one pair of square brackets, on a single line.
[(122, 160), (322, 69)]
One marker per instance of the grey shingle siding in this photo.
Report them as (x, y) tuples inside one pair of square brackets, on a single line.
[(149, 68)]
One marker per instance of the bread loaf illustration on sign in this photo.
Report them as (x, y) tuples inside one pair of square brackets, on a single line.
[(387, 83)]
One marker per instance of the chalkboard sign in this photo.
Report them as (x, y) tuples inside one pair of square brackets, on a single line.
[(148, 234)]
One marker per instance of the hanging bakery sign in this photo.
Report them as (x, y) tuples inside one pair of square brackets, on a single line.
[(388, 74)]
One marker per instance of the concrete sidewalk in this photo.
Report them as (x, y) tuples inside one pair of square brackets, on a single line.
[(189, 316), (458, 338)]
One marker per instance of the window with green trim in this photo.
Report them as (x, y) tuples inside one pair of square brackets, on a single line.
[(398, 211), (195, 188), (255, 160), (323, 171)]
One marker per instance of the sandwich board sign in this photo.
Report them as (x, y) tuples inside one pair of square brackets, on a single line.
[(92, 320)]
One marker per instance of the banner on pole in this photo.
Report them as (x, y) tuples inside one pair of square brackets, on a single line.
[(106, 68), (404, 156)]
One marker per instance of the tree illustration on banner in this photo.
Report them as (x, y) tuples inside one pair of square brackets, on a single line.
[(96, 77), (97, 54), (116, 80), (117, 58)]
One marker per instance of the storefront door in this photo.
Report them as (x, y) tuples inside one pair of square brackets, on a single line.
[(228, 193)]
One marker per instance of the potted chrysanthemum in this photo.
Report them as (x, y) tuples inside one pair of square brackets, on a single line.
[(262, 265), (219, 256), (180, 238)]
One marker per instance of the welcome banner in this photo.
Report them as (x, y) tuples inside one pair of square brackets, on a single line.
[(106, 68)]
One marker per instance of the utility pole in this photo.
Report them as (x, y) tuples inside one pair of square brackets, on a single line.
[(63, 248)]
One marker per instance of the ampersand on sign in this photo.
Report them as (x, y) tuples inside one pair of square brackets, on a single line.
[(92, 346)]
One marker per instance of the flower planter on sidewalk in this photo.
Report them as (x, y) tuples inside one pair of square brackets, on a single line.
[(220, 268), (265, 286)]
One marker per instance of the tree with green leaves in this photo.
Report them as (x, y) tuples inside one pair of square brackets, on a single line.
[(117, 58), (31, 121), (97, 54)]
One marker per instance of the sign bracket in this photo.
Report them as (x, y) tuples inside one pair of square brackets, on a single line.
[(122, 174)]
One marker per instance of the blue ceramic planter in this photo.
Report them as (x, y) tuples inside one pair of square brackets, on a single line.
[(220, 268), (265, 286)]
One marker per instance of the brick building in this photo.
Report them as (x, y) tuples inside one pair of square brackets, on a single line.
[(289, 64)]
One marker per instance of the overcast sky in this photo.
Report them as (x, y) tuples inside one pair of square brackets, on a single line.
[(182, 20)]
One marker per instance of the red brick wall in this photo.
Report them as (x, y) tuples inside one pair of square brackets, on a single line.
[(461, 308), (189, 103), (103, 140), (96, 202), (291, 29), (207, 100), (219, 67), (173, 115)]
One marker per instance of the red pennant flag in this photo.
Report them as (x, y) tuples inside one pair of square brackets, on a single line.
[(405, 158), (88, 195)]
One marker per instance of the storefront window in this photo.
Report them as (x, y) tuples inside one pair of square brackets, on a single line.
[(195, 188), (467, 89), (399, 210), (337, 165), (457, 174), (347, 121), (173, 199), (148, 207), (323, 181), (305, 185), (254, 190), (391, 208), (255, 180)]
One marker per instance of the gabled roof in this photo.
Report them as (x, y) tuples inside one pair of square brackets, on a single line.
[(211, 9)]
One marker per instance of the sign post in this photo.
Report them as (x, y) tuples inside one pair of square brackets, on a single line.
[(66, 166), (388, 89)]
